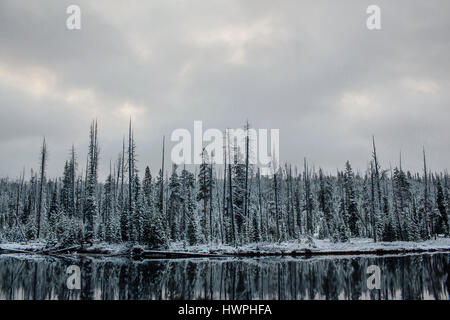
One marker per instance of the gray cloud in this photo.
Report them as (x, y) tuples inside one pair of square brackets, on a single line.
[(311, 69)]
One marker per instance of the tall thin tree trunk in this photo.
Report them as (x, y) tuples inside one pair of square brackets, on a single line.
[(372, 202), (41, 186), (277, 215), (425, 197), (130, 175), (250, 214), (231, 195), (377, 174), (72, 177), (294, 233), (397, 211), (161, 191), (246, 179), (219, 210), (258, 177), (211, 201), (224, 186), (85, 187), (122, 169)]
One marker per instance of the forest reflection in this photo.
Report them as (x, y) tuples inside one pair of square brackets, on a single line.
[(423, 276)]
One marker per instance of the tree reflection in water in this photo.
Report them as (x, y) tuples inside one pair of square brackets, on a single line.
[(402, 277)]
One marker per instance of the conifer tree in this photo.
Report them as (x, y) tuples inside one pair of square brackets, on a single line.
[(108, 218), (189, 223), (325, 200), (174, 207), (90, 209), (351, 207), (440, 203), (308, 199), (205, 185), (148, 205), (157, 235), (137, 221), (53, 214)]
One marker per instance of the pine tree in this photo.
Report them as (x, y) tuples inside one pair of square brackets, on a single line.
[(298, 203), (426, 206), (157, 236), (189, 222), (53, 214), (325, 200), (343, 231), (174, 206), (308, 200), (90, 209), (121, 199), (131, 226), (148, 205), (137, 219), (277, 212), (72, 168), (443, 226), (402, 199), (107, 223), (351, 207), (205, 184), (66, 189)]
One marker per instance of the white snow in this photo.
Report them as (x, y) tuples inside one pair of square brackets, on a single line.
[(315, 245), (31, 245), (355, 244)]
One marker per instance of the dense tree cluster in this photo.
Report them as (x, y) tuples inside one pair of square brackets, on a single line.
[(232, 203)]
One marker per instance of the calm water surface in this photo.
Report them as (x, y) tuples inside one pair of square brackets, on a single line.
[(424, 276)]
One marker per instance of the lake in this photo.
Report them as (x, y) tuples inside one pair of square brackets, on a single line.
[(421, 276)]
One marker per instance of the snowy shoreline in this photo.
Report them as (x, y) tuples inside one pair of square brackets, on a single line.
[(321, 247), (302, 247)]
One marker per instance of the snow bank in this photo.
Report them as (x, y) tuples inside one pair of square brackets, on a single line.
[(315, 245), (301, 246)]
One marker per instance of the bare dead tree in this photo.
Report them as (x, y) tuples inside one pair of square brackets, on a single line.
[(231, 193), (161, 191), (377, 173), (372, 202)]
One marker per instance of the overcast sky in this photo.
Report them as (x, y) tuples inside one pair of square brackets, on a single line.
[(310, 68)]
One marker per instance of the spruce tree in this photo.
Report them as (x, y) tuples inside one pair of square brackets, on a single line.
[(440, 203), (351, 207), (205, 185), (148, 205), (174, 206), (90, 209)]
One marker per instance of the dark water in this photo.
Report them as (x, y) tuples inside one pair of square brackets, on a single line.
[(402, 277)]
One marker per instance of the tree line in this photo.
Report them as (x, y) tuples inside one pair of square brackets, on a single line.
[(231, 204)]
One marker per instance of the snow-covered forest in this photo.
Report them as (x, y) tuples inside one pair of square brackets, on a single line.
[(219, 204)]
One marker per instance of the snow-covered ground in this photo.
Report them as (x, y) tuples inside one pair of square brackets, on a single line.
[(285, 247), (41, 245), (31, 245), (315, 245)]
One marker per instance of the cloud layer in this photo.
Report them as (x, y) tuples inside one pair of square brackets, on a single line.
[(311, 69)]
